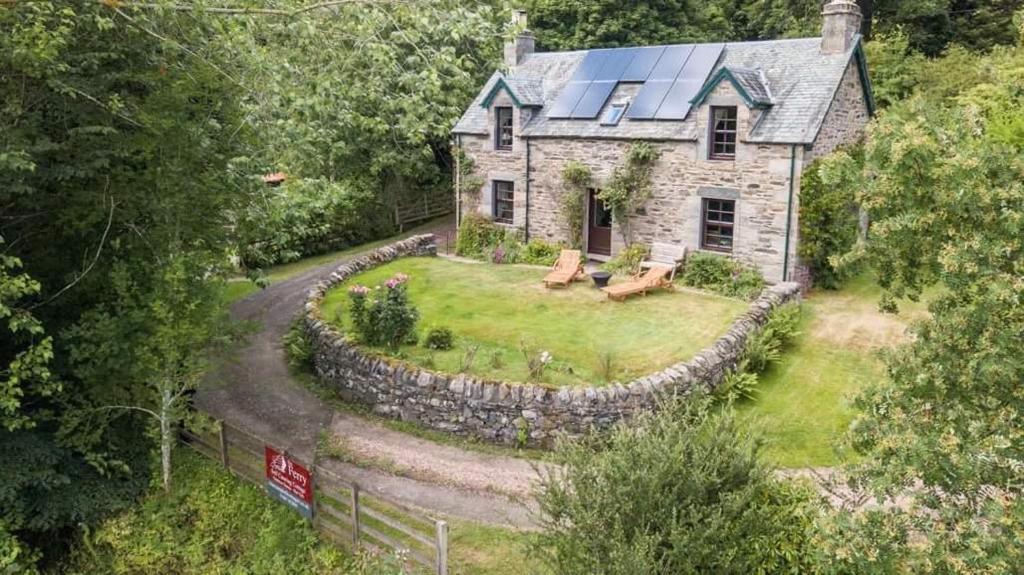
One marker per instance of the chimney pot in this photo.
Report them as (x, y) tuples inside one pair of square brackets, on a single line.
[(523, 44), (840, 24)]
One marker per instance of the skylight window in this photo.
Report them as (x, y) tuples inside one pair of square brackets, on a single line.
[(613, 115)]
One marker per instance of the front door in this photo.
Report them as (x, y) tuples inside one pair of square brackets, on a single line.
[(599, 227)]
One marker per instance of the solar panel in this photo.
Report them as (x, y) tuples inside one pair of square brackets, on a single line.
[(676, 104), (616, 63), (567, 99), (701, 62), (593, 100), (590, 66), (671, 62), (643, 62), (648, 100)]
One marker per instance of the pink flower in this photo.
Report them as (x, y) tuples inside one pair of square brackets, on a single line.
[(402, 278), (359, 290), (391, 283)]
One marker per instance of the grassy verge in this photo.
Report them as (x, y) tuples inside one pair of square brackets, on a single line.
[(803, 404), (240, 288), (493, 309), (210, 522)]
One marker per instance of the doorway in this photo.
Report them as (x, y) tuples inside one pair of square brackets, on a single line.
[(599, 226)]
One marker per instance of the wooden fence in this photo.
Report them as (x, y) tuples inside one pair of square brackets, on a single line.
[(423, 208), (342, 511)]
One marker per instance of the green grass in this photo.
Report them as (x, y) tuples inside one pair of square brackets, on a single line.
[(496, 307), (240, 288), (803, 404)]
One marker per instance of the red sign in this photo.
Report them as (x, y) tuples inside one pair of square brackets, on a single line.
[(288, 480)]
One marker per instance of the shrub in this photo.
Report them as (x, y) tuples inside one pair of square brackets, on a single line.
[(478, 236), (536, 361), (627, 261), (383, 315), (682, 490), (439, 338), (738, 385), (763, 348), (541, 253), (828, 223), (308, 216), (722, 275), (297, 348)]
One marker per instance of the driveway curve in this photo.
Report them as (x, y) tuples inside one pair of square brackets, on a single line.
[(255, 391)]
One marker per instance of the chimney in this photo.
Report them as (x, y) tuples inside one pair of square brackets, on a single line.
[(840, 22), (522, 44)]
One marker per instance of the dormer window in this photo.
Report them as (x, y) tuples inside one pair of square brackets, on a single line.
[(613, 115), (503, 129), (723, 133)]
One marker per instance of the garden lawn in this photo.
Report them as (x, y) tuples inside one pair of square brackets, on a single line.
[(803, 403), (500, 307)]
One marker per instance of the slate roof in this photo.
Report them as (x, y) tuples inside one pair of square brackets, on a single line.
[(793, 76)]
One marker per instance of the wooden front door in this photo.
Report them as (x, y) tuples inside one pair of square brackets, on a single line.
[(599, 227)]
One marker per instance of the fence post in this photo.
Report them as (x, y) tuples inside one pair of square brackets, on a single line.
[(223, 446), (442, 548), (355, 514)]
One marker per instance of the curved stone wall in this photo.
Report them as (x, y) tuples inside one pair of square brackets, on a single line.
[(495, 410)]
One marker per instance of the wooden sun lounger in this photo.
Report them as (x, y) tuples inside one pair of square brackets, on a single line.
[(656, 277), (566, 269)]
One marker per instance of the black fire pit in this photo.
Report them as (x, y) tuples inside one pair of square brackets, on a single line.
[(601, 278)]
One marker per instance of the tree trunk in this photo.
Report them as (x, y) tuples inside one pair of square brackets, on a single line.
[(166, 438)]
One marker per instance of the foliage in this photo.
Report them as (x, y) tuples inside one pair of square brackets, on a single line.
[(211, 522), (763, 348), (540, 253), (536, 361), (383, 315), (828, 225), (576, 179), (942, 180), (439, 338), (893, 66), (308, 216), (26, 352), (722, 275), (365, 94), (477, 235), (297, 347), (627, 261), (629, 188), (679, 491)]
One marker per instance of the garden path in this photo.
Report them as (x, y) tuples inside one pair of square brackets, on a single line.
[(256, 392)]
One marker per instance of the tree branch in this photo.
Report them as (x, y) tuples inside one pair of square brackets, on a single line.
[(96, 257), (129, 407)]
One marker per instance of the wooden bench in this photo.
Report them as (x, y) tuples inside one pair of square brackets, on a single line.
[(669, 255)]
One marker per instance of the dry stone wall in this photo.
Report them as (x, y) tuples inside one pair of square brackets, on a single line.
[(502, 411)]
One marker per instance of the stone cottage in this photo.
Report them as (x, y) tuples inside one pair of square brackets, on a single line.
[(735, 123)]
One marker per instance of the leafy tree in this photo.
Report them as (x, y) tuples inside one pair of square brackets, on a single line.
[(680, 491), (941, 178)]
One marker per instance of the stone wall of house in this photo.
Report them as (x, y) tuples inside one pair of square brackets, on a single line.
[(501, 411), (846, 119), (491, 164), (758, 179)]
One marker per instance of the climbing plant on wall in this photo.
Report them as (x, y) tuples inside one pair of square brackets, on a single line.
[(630, 187), (576, 178)]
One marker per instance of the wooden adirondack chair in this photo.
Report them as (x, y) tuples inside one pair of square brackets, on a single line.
[(566, 269), (656, 277)]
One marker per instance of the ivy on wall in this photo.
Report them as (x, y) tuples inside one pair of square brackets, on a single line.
[(576, 178), (630, 187)]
